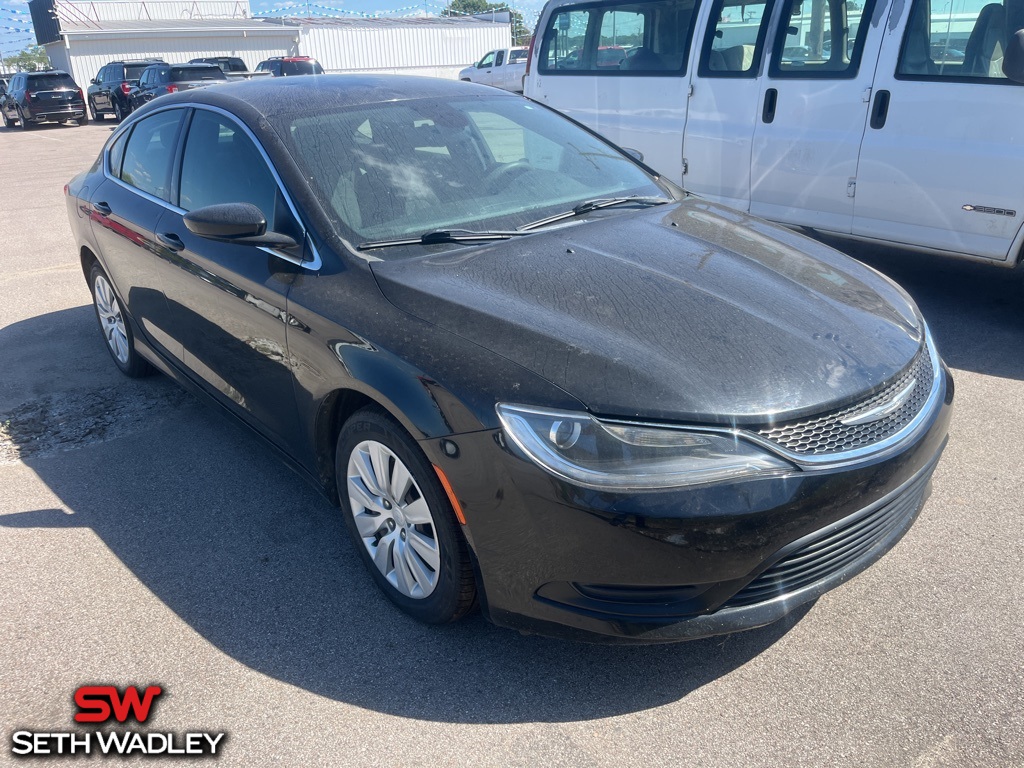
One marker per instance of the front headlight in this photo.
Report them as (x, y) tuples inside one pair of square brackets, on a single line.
[(577, 447)]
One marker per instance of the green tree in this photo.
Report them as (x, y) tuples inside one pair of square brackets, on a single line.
[(30, 59), (520, 32)]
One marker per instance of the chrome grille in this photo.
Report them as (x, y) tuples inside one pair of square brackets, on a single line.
[(833, 548), (827, 434)]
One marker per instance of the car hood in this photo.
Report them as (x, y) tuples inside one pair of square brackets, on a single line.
[(692, 312)]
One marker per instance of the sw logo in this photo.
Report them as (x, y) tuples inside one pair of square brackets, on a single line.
[(98, 704)]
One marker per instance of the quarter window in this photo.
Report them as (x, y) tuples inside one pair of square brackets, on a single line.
[(955, 41), (147, 158), (822, 39), (222, 165), (733, 44)]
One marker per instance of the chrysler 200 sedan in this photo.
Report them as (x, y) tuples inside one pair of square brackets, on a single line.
[(534, 375)]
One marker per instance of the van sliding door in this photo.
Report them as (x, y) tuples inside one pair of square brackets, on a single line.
[(724, 103), (813, 111), (941, 161), (621, 69)]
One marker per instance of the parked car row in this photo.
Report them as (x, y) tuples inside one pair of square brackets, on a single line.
[(122, 86)]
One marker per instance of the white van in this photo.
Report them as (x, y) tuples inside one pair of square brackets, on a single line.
[(884, 120)]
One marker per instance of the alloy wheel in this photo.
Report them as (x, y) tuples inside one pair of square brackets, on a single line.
[(111, 320), (394, 520)]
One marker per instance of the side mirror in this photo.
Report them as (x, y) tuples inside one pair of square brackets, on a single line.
[(94, 81), (636, 154), (1013, 57), (241, 223)]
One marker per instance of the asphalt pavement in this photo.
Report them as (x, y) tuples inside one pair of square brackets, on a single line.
[(145, 539)]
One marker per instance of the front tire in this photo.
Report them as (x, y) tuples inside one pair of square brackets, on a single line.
[(401, 520), (114, 326)]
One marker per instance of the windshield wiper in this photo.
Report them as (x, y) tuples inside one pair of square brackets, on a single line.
[(593, 205), (444, 236)]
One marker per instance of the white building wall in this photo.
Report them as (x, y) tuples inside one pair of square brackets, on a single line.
[(87, 54), (433, 50), (152, 10)]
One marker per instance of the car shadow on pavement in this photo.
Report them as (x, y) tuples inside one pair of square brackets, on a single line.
[(976, 311), (258, 562)]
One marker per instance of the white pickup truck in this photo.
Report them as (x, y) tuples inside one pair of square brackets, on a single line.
[(503, 68)]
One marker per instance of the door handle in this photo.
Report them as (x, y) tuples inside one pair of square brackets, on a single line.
[(102, 208), (771, 99), (171, 241), (880, 109)]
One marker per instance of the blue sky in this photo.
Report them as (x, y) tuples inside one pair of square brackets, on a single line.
[(14, 13)]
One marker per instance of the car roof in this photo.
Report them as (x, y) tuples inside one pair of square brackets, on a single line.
[(284, 95)]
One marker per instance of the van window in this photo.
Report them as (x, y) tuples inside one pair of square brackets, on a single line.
[(733, 44), (824, 38), (647, 37), (954, 41)]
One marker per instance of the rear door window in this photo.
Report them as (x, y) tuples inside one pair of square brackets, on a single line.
[(147, 158)]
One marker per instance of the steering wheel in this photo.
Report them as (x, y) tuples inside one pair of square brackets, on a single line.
[(504, 172)]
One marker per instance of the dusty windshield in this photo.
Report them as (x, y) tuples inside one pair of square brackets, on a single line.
[(399, 169)]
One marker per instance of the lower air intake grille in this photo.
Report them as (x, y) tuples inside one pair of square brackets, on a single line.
[(832, 549)]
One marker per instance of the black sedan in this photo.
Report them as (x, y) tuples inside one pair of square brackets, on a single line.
[(533, 374)]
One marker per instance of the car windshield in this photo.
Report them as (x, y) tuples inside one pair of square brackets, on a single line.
[(134, 71), (292, 68), (400, 169), (50, 82), (197, 72)]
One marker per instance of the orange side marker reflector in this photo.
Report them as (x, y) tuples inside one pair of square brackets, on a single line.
[(451, 494)]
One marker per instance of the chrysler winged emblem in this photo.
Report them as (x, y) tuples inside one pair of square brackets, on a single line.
[(879, 412)]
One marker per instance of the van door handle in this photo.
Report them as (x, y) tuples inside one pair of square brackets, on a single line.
[(771, 98), (880, 109), (171, 241)]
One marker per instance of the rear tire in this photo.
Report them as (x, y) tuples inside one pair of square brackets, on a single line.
[(25, 124), (114, 325), (83, 120), (119, 113), (401, 521), (92, 111)]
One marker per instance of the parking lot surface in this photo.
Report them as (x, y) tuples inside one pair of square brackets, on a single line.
[(145, 539)]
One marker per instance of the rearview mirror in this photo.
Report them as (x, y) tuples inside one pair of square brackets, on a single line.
[(1013, 57), (241, 223)]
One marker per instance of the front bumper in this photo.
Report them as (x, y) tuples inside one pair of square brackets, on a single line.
[(558, 560)]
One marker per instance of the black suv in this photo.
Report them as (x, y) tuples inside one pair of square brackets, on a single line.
[(228, 64), (159, 79), (108, 91), (38, 97), (289, 66)]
